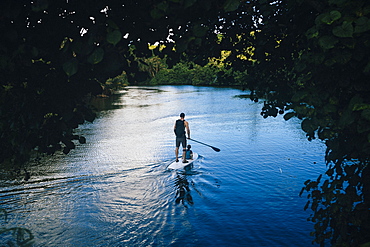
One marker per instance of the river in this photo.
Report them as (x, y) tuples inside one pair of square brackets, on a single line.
[(116, 190)]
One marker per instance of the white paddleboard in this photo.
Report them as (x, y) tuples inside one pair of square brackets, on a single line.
[(179, 165)]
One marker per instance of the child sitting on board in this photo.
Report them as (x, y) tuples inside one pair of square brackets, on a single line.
[(189, 153)]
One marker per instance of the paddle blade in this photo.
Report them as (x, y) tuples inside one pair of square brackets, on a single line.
[(216, 149)]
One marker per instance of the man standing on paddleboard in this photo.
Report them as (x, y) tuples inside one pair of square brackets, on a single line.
[(180, 133)]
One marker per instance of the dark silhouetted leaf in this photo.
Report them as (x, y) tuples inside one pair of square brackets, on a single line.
[(114, 37), (327, 42), (82, 140), (289, 115), (96, 57), (344, 31), (362, 24), (312, 33), (231, 5), (307, 205), (329, 18), (71, 67), (308, 125)]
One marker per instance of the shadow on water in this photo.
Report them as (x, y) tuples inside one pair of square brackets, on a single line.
[(14, 236)]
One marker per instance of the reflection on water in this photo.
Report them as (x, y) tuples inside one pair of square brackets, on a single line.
[(115, 190), (183, 194)]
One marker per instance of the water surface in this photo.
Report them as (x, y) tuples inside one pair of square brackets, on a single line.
[(115, 190)]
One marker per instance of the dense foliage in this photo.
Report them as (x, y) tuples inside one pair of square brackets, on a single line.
[(315, 65), (55, 54), (308, 58), (193, 74)]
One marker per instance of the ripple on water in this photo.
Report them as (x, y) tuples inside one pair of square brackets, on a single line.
[(116, 190)]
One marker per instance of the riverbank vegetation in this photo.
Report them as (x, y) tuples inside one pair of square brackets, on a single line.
[(309, 59), (188, 73), (155, 71)]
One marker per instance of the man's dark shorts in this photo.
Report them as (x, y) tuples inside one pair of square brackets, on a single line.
[(181, 140)]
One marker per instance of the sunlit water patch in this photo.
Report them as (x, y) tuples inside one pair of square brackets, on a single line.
[(116, 190)]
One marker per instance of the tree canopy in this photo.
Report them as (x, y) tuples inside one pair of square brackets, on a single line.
[(307, 58)]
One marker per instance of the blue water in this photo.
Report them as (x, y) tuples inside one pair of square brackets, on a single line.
[(116, 190)]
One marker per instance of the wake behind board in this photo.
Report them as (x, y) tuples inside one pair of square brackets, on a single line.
[(179, 165)]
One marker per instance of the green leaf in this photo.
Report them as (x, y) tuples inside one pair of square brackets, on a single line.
[(327, 42), (335, 15), (362, 24), (231, 5), (71, 67), (329, 18), (312, 33), (114, 37), (355, 100), (96, 57), (344, 31), (318, 19)]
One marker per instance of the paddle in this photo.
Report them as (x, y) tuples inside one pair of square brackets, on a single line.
[(214, 148)]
